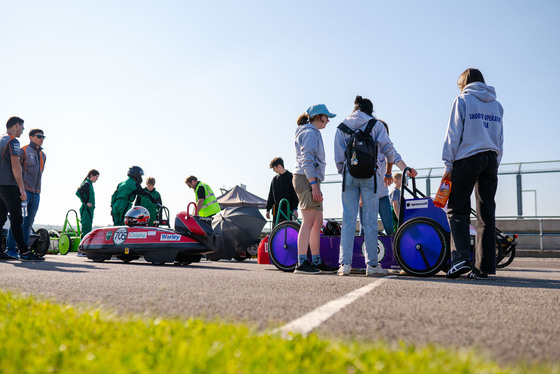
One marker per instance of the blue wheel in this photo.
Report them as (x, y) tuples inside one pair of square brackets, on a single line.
[(282, 245), (421, 247)]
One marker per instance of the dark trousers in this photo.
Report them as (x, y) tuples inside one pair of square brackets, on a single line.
[(10, 202), (480, 172)]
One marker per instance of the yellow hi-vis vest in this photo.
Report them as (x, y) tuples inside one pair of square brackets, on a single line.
[(210, 204)]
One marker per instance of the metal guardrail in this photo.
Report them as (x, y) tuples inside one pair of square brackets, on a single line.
[(537, 177), (540, 179)]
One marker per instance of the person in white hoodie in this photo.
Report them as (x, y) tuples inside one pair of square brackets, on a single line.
[(472, 152), (366, 187)]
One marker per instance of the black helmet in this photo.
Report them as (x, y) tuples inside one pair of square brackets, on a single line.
[(136, 173), (137, 216)]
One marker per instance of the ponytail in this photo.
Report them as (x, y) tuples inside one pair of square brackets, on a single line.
[(303, 119)]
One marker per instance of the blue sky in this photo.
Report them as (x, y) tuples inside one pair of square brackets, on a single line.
[(214, 88)]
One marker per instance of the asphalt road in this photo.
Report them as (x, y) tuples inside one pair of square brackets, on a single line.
[(513, 316)]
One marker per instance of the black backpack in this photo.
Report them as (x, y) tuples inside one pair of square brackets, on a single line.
[(361, 151)]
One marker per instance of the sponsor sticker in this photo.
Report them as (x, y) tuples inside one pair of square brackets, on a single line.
[(108, 235), (120, 236), (417, 204), (126, 251), (137, 235), (170, 237), (151, 233)]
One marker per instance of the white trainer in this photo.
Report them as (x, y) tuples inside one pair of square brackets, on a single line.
[(373, 271), (344, 270)]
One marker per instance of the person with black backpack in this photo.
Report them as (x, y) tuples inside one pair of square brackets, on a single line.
[(357, 140)]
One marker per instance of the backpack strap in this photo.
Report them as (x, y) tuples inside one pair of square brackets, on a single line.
[(345, 129), (370, 126)]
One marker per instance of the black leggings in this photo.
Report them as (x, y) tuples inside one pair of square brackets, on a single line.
[(10, 202), (480, 172)]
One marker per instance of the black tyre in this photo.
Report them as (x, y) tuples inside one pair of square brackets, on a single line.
[(282, 245), (421, 247), (127, 258), (506, 258), (187, 259), (41, 245)]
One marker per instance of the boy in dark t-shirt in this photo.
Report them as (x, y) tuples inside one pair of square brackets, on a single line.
[(281, 187)]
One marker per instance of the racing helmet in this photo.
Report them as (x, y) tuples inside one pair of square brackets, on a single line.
[(137, 216), (136, 172)]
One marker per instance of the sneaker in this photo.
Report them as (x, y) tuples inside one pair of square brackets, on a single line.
[(81, 254), (476, 275), (6, 257), (13, 253), (306, 268), (457, 269), (325, 268), (30, 256), (373, 271), (344, 270)]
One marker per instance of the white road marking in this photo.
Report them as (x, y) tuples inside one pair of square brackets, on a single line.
[(310, 321)]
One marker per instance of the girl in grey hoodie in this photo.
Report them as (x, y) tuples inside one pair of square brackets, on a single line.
[(309, 172), (472, 151)]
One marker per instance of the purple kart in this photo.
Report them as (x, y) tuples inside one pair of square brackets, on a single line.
[(420, 245)]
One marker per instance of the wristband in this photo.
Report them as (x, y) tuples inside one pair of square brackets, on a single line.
[(312, 183), (388, 176)]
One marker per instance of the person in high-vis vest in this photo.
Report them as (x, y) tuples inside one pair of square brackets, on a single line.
[(206, 202)]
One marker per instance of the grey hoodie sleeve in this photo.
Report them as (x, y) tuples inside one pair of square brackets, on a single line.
[(454, 133), (339, 149), (308, 150), (385, 145), (501, 141)]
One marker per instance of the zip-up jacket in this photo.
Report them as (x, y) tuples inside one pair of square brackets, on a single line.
[(33, 161), (475, 125)]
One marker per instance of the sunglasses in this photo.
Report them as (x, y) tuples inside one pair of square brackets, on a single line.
[(40, 136)]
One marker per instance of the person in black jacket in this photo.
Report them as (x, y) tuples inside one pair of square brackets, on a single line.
[(281, 187)]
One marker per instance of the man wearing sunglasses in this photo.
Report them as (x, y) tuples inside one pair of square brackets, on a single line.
[(12, 190), (32, 164)]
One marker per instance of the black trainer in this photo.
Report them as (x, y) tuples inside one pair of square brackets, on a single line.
[(30, 256), (6, 257), (477, 275), (325, 268), (459, 268), (306, 268)]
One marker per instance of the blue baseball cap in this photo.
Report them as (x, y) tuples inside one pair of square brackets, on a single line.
[(319, 109)]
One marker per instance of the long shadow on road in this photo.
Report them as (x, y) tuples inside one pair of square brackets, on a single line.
[(56, 266), (512, 282)]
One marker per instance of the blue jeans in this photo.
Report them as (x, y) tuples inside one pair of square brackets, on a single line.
[(32, 208), (385, 213), (353, 188)]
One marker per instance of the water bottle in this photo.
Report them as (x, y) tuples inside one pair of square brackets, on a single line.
[(443, 193), (24, 208)]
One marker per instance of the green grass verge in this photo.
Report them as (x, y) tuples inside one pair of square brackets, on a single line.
[(43, 337)]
